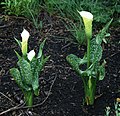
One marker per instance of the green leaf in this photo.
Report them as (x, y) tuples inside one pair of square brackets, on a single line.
[(45, 60), (117, 8), (95, 51), (36, 92), (19, 57), (101, 71), (33, 64), (19, 42), (41, 49), (37, 65), (35, 79), (35, 83), (16, 75), (26, 71), (41, 63), (101, 35), (75, 62)]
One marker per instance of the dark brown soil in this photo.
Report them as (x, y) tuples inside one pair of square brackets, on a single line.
[(66, 95)]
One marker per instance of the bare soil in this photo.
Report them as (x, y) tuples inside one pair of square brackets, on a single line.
[(61, 90)]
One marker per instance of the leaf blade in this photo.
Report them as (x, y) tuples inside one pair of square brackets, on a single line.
[(41, 49), (16, 75), (25, 70), (101, 35)]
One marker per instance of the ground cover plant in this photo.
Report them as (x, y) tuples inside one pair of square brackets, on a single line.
[(27, 8), (61, 91), (67, 8), (116, 107)]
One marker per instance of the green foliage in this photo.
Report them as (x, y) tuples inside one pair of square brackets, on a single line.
[(102, 10), (66, 8), (102, 34), (26, 8), (107, 111), (27, 74), (17, 76), (76, 29), (32, 11), (95, 71), (116, 109), (13, 7), (95, 51), (25, 71), (18, 7)]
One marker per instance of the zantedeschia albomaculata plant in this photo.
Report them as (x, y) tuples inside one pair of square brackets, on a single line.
[(25, 36), (29, 68), (95, 70)]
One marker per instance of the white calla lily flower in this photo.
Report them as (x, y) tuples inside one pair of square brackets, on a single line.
[(86, 15), (31, 55), (25, 36), (87, 19)]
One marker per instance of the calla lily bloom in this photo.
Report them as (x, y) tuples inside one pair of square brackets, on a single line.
[(87, 19), (25, 36), (31, 55)]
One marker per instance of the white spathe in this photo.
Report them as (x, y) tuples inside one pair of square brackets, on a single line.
[(86, 14), (87, 19), (25, 35), (31, 55)]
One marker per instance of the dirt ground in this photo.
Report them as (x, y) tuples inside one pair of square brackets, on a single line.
[(61, 90)]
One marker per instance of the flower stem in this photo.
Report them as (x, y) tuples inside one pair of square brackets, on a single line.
[(28, 98), (88, 52), (90, 91)]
